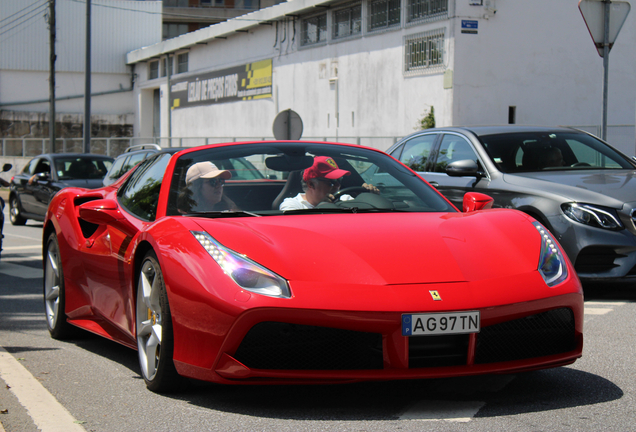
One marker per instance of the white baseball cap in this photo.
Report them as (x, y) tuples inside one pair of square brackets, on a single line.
[(205, 170)]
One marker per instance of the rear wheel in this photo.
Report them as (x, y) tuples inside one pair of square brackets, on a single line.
[(15, 215), (154, 329), (54, 294)]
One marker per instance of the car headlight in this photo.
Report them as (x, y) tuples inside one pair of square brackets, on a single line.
[(592, 215), (552, 264), (246, 273)]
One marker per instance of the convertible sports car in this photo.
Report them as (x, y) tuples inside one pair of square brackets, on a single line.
[(388, 281)]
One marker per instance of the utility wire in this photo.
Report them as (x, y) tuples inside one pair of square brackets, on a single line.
[(35, 14), (21, 10)]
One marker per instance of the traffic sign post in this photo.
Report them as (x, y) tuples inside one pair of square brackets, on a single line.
[(604, 20)]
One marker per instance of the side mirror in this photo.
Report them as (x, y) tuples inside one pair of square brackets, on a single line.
[(43, 176), (6, 167), (474, 201), (106, 212), (463, 168)]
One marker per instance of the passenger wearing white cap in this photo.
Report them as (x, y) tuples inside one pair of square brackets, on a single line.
[(204, 189)]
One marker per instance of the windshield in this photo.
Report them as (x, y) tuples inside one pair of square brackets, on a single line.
[(542, 151), (296, 178), (82, 168)]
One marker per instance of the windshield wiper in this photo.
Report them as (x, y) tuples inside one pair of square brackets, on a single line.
[(323, 210), (223, 214)]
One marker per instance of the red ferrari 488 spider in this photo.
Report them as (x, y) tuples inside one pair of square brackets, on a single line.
[(305, 262)]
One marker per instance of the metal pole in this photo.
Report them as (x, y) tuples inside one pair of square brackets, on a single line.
[(168, 73), (87, 91), (606, 29), (52, 75)]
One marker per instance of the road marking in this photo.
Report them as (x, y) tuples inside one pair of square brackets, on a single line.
[(21, 297), (452, 411), (47, 413), (23, 258), (10, 248), (20, 271), (596, 311), (604, 303)]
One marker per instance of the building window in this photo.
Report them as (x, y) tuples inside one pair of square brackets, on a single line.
[(164, 67), (347, 22), (153, 71), (424, 51), (313, 30), (426, 9), (384, 14), (172, 30), (182, 63)]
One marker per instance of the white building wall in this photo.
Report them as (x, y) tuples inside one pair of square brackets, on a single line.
[(537, 57)]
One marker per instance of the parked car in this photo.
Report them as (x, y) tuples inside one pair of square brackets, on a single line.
[(32, 189), (125, 161), (376, 285), (3, 183), (579, 187)]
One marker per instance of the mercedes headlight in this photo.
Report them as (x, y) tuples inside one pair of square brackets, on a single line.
[(246, 273), (552, 264), (592, 215)]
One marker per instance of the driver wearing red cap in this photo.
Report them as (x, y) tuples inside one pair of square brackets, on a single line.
[(320, 182)]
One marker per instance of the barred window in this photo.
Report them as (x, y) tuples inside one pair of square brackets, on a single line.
[(347, 22), (424, 51), (313, 30), (153, 71), (426, 9), (384, 14), (182, 63)]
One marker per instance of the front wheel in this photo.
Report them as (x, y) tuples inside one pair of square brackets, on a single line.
[(54, 293), (154, 329), (15, 215)]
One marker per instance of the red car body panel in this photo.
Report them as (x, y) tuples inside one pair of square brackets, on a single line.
[(352, 273)]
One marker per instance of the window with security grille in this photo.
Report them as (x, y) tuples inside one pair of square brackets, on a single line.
[(313, 30), (383, 14), (424, 51), (418, 10), (347, 22)]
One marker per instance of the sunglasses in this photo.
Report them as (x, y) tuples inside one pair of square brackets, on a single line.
[(216, 181), (332, 183)]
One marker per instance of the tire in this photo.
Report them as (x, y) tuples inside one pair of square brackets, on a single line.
[(54, 293), (15, 215), (155, 341)]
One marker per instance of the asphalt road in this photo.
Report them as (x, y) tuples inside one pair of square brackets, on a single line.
[(98, 385)]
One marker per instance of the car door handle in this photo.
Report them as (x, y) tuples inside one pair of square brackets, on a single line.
[(434, 184)]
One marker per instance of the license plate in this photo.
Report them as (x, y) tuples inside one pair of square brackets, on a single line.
[(440, 323)]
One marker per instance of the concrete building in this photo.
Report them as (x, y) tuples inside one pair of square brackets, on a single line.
[(374, 68), (184, 16), (117, 28)]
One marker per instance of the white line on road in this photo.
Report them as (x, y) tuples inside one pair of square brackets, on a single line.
[(6, 234), (604, 303), (47, 413), (596, 311), (454, 411), (11, 248)]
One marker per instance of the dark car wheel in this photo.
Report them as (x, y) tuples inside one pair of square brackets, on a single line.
[(154, 329), (54, 295), (15, 215)]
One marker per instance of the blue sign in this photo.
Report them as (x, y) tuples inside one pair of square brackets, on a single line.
[(470, 24)]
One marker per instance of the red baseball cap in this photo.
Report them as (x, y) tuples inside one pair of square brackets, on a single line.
[(324, 167)]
